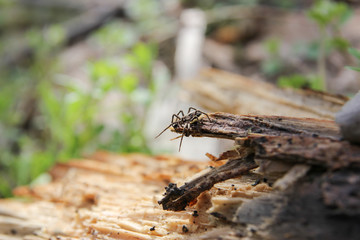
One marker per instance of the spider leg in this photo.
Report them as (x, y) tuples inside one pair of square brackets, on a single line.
[(198, 111), (171, 124), (192, 108), (175, 138), (206, 116), (175, 116), (182, 113), (182, 135)]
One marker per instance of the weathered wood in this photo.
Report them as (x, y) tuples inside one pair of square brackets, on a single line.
[(327, 153), (217, 90), (303, 211), (231, 126), (116, 197), (106, 196), (176, 199), (294, 140), (109, 196), (316, 200)]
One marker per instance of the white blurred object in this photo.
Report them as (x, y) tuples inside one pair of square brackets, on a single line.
[(189, 45), (188, 62), (349, 119)]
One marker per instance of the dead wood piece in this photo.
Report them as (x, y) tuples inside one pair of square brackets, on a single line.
[(341, 191), (301, 212), (231, 126), (218, 90), (294, 174), (176, 199), (106, 196), (327, 153), (320, 190), (292, 140)]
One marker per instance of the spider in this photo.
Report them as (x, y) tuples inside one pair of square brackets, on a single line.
[(185, 122)]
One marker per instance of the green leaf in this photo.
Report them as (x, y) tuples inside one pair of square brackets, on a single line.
[(271, 67), (142, 57), (354, 68), (55, 35), (73, 106), (7, 99), (316, 83), (104, 69), (354, 52), (339, 43), (127, 118), (293, 81), (300, 81), (41, 162), (346, 15), (5, 189), (116, 34), (34, 38), (128, 83), (272, 46), (324, 12)]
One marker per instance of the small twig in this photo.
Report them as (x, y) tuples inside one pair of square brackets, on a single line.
[(176, 199)]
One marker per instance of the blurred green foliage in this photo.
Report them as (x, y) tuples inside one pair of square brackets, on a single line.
[(273, 64), (326, 12), (355, 53), (300, 81), (48, 117), (329, 16)]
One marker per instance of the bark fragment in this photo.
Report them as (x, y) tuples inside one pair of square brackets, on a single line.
[(176, 199), (231, 126)]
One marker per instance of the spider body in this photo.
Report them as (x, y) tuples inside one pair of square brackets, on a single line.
[(184, 121)]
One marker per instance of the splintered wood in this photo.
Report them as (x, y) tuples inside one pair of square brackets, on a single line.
[(115, 197)]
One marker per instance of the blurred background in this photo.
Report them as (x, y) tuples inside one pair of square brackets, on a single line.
[(82, 76)]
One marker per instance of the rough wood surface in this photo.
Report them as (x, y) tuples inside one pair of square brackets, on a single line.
[(294, 140), (317, 198), (231, 126), (216, 90), (176, 199), (110, 196)]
